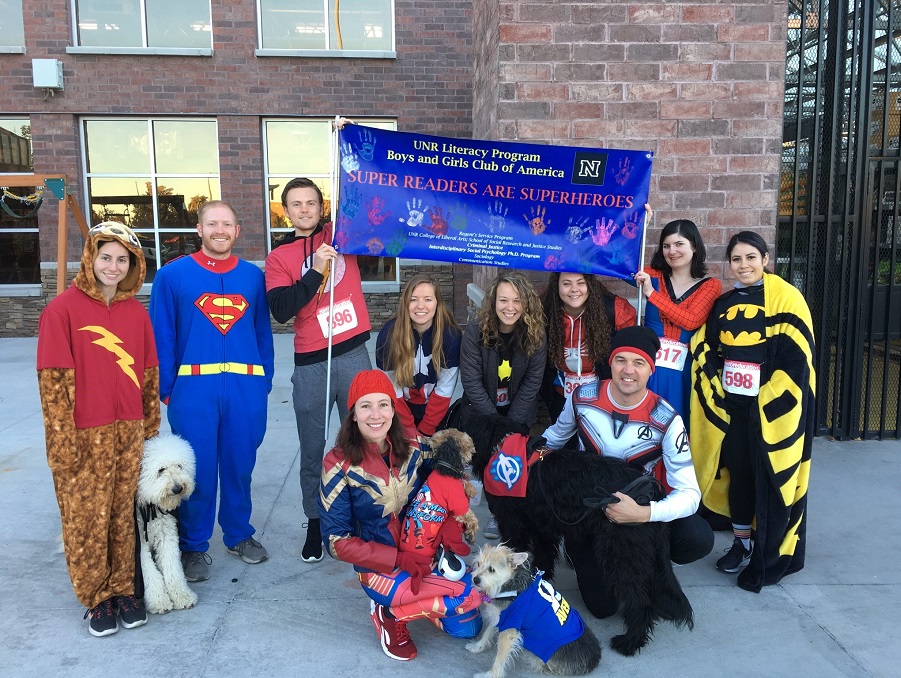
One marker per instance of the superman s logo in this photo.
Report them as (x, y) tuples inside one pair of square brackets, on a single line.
[(741, 326), (223, 310)]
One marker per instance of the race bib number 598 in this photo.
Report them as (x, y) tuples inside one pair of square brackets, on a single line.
[(741, 378)]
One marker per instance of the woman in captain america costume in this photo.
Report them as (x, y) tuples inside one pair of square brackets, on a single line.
[(420, 350), (368, 479)]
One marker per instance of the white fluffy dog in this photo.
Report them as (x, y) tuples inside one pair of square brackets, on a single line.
[(167, 477)]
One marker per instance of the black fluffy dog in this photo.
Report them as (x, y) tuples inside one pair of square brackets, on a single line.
[(564, 494)]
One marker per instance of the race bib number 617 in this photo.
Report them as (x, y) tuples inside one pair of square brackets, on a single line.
[(672, 354)]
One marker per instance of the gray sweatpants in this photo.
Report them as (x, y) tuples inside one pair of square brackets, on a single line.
[(309, 410)]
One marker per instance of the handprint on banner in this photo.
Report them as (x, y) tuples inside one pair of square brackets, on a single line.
[(350, 201), (459, 218), (623, 171), (367, 145), (374, 211), (536, 221), (342, 240), (415, 216), (439, 223), (497, 217), (633, 223), (615, 256), (375, 246), (393, 248), (553, 262), (603, 230), (349, 160), (576, 229), (583, 266)]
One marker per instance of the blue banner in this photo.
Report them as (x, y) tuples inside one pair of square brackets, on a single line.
[(469, 201)]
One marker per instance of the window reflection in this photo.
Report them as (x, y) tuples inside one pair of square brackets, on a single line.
[(109, 24), (170, 24), (119, 146), (178, 23), (20, 255), (12, 28), (161, 208), (303, 148), (346, 25)]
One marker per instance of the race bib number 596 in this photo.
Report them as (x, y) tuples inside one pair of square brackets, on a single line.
[(344, 318)]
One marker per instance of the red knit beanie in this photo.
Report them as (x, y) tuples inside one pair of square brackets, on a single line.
[(369, 381)]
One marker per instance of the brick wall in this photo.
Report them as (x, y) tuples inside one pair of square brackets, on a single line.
[(699, 84), (427, 88), (19, 315)]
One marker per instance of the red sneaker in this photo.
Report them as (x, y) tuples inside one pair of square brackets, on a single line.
[(393, 635)]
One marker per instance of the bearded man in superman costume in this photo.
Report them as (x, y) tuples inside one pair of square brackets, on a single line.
[(213, 336)]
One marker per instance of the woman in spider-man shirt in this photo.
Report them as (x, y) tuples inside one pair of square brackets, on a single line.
[(680, 296)]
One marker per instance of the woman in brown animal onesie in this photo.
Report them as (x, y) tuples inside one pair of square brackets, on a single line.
[(98, 378)]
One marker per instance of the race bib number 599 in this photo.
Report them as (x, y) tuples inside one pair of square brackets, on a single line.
[(741, 378)]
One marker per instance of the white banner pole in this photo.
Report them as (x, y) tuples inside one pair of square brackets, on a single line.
[(333, 179), (644, 237)]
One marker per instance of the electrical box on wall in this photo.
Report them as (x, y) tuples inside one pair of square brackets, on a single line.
[(47, 73)]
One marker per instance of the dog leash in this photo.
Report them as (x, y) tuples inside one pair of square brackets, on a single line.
[(149, 512), (644, 489)]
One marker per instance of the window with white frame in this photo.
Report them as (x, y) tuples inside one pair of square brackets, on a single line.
[(152, 175), (303, 148), (151, 24), (339, 25), (12, 26), (20, 256)]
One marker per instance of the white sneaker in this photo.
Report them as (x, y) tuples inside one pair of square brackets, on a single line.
[(490, 531)]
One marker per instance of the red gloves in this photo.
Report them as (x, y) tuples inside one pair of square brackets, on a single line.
[(417, 566), (451, 537)]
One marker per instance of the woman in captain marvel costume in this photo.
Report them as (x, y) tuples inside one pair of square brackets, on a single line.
[(368, 479)]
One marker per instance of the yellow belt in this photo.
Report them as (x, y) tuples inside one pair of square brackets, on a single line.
[(218, 368)]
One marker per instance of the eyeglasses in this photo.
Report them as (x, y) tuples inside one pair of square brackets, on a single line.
[(115, 230)]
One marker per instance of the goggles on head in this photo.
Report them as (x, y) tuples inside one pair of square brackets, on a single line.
[(116, 230)]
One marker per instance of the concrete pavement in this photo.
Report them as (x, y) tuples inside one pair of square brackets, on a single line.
[(837, 617)]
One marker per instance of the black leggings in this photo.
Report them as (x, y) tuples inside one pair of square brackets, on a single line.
[(740, 455), (690, 539)]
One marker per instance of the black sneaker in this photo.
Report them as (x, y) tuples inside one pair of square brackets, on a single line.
[(131, 611), (103, 619), (736, 558), (312, 547)]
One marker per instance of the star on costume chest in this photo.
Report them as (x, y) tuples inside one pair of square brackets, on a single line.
[(422, 361), (394, 493)]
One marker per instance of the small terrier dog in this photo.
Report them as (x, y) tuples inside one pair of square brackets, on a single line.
[(522, 611)]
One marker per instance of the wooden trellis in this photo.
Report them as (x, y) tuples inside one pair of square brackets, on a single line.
[(57, 185)]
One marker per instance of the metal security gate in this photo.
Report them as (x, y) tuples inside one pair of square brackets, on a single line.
[(839, 235)]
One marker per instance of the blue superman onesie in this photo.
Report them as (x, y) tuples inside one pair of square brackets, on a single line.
[(211, 323)]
